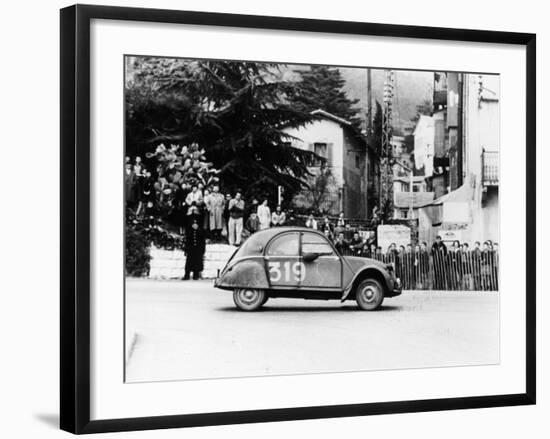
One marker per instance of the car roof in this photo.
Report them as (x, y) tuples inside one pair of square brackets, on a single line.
[(256, 243), (271, 232)]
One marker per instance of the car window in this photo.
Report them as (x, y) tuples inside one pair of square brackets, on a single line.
[(284, 245), (252, 246), (314, 243)]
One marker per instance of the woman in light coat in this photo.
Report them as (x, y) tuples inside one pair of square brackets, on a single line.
[(215, 206), (264, 214)]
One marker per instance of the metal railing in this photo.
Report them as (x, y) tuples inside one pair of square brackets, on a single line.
[(489, 167), (474, 270)]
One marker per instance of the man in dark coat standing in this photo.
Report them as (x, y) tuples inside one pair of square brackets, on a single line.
[(195, 246)]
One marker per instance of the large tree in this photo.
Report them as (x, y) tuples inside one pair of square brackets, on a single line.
[(322, 87), (236, 111)]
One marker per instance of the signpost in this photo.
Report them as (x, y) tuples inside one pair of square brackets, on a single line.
[(388, 234), (449, 236)]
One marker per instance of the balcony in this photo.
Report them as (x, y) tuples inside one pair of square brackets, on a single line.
[(489, 168)]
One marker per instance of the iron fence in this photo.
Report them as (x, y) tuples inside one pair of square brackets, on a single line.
[(474, 270)]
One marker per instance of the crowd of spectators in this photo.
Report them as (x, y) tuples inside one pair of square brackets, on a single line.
[(223, 218)]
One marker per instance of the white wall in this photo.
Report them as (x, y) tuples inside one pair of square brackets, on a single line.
[(30, 221), (323, 131), (481, 122), (482, 130)]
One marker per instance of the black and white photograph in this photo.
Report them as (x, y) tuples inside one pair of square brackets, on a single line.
[(289, 219), (275, 219)]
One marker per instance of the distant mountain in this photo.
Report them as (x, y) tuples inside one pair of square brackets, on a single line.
[(411, 88)]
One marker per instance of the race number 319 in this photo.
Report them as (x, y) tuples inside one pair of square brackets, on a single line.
[(286, 271)]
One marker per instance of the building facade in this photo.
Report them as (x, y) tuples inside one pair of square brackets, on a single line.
[(347, 170), (407, 202), (465, 165)]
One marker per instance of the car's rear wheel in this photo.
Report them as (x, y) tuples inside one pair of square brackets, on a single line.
[(249, 299), (369, 294)]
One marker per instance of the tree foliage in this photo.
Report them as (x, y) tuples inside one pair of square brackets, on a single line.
[(235, 111), (177, 169), (322, 87)]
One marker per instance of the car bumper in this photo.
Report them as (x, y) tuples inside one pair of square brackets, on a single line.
[(397, 288)]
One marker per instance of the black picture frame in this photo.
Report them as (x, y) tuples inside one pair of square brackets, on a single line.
[(75, 217)]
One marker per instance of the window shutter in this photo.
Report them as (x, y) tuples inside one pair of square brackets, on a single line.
[(330, 154)]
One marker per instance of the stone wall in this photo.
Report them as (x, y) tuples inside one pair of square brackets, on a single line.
[(170, 264)]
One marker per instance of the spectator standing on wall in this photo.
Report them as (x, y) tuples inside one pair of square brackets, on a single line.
[(235, 224), (356, 245), (348, 232), (226, 213), (252, 208), (264, 215), (195, 196), (253, 223), (147, 194), (278, 218), (215, 208), (341, 222), (326, 226), (139, 170), (341, 244), (206, 214), (311, 223), (129, 184), (371, 240), (180, 207)]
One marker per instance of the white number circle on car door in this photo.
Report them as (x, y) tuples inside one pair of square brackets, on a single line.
[(286, 271), (283, 262)]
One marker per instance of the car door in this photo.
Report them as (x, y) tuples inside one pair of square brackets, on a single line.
[(282, 259), (321, 265)]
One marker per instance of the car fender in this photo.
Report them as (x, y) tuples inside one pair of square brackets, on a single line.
[(371, 270), (244, 273)]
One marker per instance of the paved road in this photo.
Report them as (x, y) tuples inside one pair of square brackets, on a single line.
[(187, 330)]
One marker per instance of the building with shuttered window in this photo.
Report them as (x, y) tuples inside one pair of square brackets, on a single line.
[(349, 167)]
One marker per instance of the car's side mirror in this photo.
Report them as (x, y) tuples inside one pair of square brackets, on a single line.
[(310, 257)]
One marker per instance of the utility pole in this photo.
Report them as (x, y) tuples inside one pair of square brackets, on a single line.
[(386, 168), (368, 136), (369, 102)]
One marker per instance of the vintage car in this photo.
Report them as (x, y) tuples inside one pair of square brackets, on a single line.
[(297, 262)]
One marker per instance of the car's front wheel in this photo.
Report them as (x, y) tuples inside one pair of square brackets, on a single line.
[(248, 299), (369, 294)]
